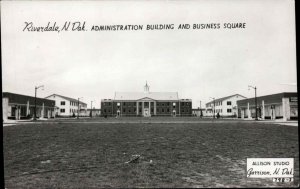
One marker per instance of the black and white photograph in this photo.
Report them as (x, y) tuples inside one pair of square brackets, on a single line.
[(149, 94)]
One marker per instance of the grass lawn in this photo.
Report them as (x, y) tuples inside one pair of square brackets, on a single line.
[(88, 154)]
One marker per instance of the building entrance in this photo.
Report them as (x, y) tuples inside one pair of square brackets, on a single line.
[(146, 112)]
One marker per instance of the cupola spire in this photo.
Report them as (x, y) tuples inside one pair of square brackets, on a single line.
[(146, 88)]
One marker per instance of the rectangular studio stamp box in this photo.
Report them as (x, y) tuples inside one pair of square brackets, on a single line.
[(279, 169)]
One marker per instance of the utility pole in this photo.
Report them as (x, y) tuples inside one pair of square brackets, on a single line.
[(214, 106), (256, 118), (91, 114), (78, 108), (35, 91), (200, 110)]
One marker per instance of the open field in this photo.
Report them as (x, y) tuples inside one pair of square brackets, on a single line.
[(90, 153)]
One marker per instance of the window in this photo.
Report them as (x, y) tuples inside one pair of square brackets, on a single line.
[(152, 103), (109, 103), (229, 103), (146, 104), (104, 110), (168, 110), (152, 110), (168, 103), (62, 110), (140, 103), (140, 110), (124, 103), (124, 110), (162, 110), (228, 110), (62, 103)]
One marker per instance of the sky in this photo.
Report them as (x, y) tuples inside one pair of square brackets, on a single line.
[(198, 64)]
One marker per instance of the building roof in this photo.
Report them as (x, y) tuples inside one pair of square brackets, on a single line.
[(94, 109), (224, 98), (23, 99), (141, 95), (67, 98), (273, 98), (198, 109)]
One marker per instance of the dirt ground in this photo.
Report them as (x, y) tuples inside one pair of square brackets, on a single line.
[(91, 153)]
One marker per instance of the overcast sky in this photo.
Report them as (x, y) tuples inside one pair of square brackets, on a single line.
[(198, 64)]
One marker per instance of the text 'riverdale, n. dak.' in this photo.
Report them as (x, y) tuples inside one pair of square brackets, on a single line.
[(82, 26)]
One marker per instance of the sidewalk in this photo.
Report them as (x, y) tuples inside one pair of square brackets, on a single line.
[(10, 122), (146, 120), (281, 122)]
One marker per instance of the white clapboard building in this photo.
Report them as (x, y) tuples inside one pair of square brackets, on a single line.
[(226, 106), (66, 106)]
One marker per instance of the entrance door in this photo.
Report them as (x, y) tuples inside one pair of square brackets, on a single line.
[(146, 112), (259, 112), (273, 115), (13, 111)]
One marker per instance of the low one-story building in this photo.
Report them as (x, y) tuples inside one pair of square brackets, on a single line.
[(276, 106), (17, 106), (199, 112), (95, 112)]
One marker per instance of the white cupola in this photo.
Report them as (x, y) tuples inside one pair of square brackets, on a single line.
[(146, 88)]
